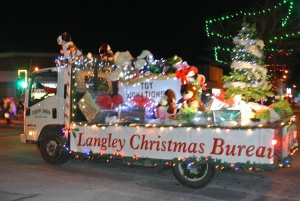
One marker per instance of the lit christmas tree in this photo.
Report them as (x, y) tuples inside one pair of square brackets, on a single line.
[(248, 70)]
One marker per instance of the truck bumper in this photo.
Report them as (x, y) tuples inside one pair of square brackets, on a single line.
[(23, 138)]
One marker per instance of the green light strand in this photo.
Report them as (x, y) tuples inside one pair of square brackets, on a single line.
[(284, 20), (216, 55)]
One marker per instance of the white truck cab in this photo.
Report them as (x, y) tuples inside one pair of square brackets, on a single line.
[(43, 107)]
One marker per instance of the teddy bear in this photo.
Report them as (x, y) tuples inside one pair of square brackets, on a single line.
[(167, 104), (68, 48), (142, 60), (106, 54), (189, 97), (122, 60)]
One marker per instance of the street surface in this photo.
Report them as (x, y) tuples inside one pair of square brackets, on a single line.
[(24, 176)]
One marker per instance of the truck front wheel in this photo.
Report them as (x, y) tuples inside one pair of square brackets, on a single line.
[(52, 149), (194, 177)]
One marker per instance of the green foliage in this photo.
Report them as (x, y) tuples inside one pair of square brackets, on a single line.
[(250, 93)]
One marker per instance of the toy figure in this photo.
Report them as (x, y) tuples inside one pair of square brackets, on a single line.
[(189, 97)]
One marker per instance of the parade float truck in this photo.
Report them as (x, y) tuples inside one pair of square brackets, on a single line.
[(140, 110)]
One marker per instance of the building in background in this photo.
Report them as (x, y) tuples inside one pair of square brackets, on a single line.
[(11, 62), (213, 75)]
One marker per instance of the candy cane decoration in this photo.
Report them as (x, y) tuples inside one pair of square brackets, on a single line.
[(73, 54)]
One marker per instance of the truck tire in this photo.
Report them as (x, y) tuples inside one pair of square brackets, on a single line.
[(52, 149), (194, 177)]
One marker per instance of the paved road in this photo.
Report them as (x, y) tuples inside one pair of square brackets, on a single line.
[(25, 176)]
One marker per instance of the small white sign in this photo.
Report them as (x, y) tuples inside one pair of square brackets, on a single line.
[(151, 88)]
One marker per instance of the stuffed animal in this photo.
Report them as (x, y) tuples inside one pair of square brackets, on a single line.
[(144, 58), (122, 59), (146, 55), (166, 106), (189, 97), (68, 48), (169, 101), (106, 54)]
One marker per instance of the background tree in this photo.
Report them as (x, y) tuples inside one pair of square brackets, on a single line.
[(278, 25)]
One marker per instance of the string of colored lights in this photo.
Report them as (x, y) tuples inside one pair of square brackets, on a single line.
[(229, 17), (210, 33), (196, 161)]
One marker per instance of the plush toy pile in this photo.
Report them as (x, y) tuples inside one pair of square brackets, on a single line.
[(165, 91)]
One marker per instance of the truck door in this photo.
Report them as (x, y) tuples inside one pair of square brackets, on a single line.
[(41, 104)]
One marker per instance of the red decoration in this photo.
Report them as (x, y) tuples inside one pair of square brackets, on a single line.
[(117, 100), (221, 97), (185, 74), (140, 100), (201, 79), (104, 101)]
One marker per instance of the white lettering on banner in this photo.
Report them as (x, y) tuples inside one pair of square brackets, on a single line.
[(233, 146), (153, 89)]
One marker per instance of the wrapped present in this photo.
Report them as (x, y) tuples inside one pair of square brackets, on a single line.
[(161, 112), (106, 104), (262, 114), (102, 115), (134, 114), (282, 108), (227, 117), (179, 117), (88, 107), (211, 103), (204, 118), (188, 113)]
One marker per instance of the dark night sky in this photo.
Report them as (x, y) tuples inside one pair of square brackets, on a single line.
[(165, 28)]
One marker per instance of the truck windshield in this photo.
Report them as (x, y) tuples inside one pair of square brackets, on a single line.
[(43, 85)]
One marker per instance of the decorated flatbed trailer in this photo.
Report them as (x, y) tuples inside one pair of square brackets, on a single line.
[(134, 110)]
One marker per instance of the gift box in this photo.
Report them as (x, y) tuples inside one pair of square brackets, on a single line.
[(132, 114), (161, 112), (262, 114), (179, 117), (227, 117), (88, 106), (151, 113), (204, 118), (282, 108), (102, 115), (211, 103), (188, 114)]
